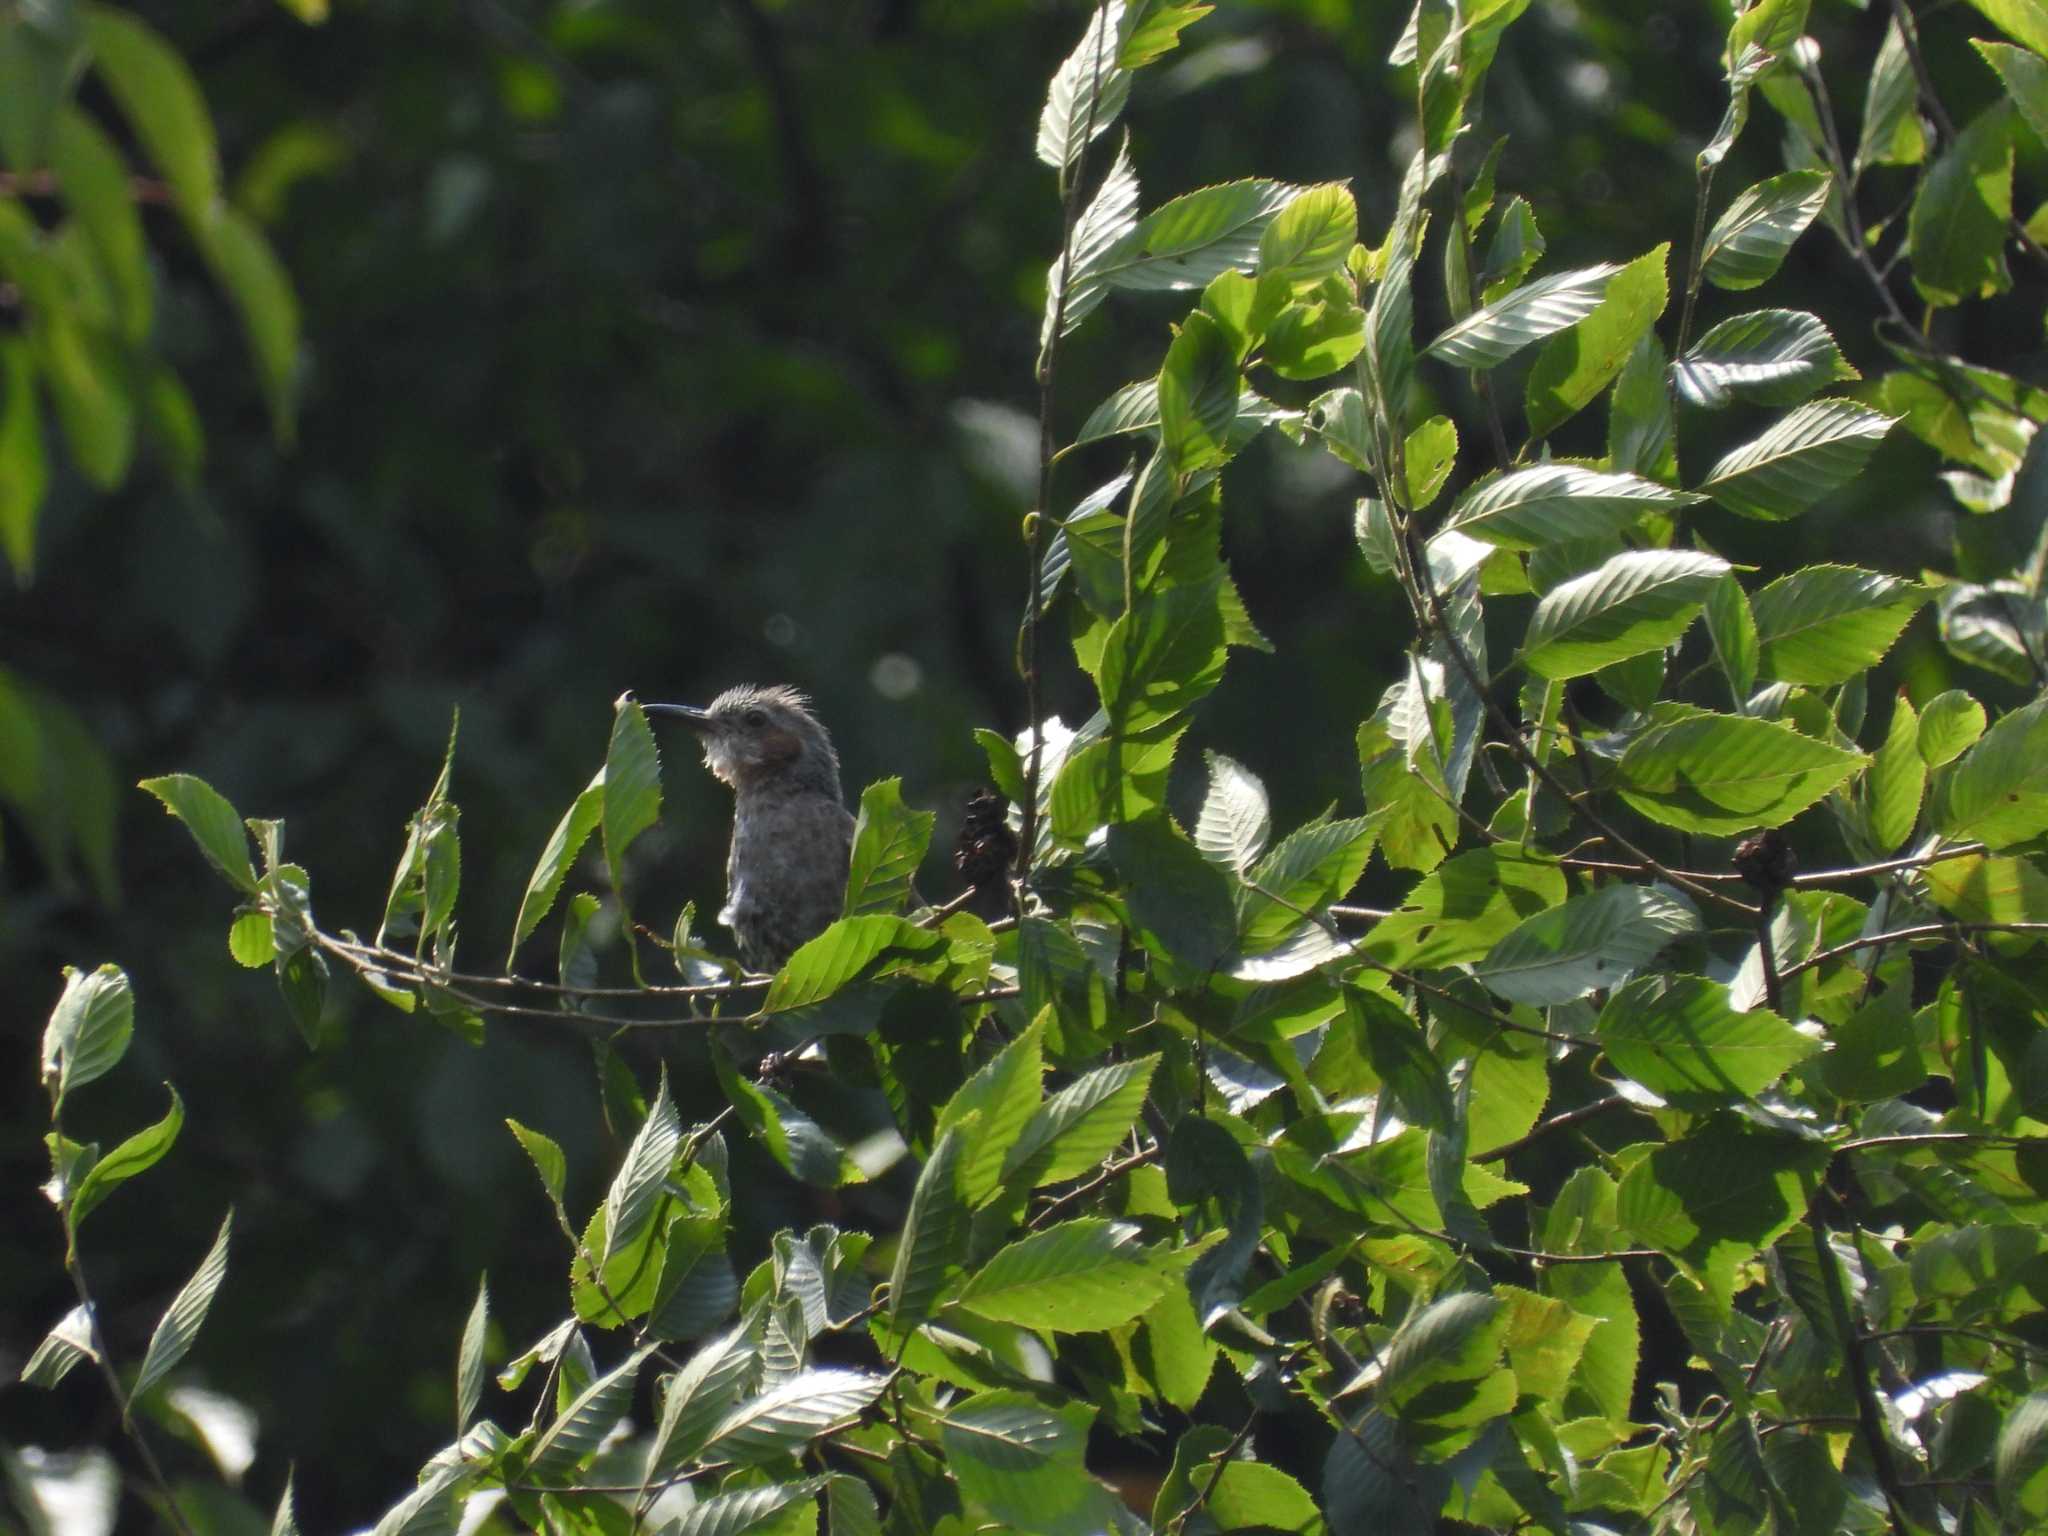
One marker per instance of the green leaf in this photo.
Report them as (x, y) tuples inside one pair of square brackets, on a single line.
[(2025, 77), (1592, 942), (1950, 723), (699, 1395), (791, 1414), (933, 1243), (2025, 21), (1022, 1463), (1459, 1338), (214, 824), (1310, 237), (1875, 1053), (1410, 1076), (850, 1508), (1088, 91), (1766, 357), (889, 842), (1732, 626), (1078, 1277), (853, 948), (567, 841), (1550, 503), (469, 1359), (1189, 241), (89, 1029), (589, 1417), (1316, 335), (256, 282), (1492, 335), (632, 784), (1080, 1125), (1897, 780), (1072, 291), (1576, 365), (2020, 1463), (94, 180), (24, 473), (1427, 458), (1957, 230), (1639, 425), (252, 940), (1981, 890), (1637, 601), (182, 1320), (38, 66), (1997, 793), (1723, 774), (1312, 867), (1813, 451), (69, 1342), (89, 384), (134, 1155), (1718, 1197), (1198, 389), (1455, 916), (1516, 246), (1749, 241), (992, 1107), (1179, 901), (163, 104), (799, 1144), (1234, 821), (1151, 29), (629, 1205), (547, 1157), (1771, 26), (1680, 1038), (1893, 133), (1824, 624), (735, 1510)]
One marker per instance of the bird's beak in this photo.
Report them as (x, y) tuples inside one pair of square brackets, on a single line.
[(697, 719)]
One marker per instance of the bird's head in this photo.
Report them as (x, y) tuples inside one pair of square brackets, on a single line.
[(756, 737)]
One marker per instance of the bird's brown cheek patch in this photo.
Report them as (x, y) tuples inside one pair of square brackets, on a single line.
[(780, 747)]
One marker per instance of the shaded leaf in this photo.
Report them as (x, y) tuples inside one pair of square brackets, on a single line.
[(1750, 239), (1766, 357), (1590, 943), (1637, 601), (1824, 624), (182, 1320), (1681, 1038), (1724, 774)]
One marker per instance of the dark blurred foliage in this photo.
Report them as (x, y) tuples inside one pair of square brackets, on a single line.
[(659, 347)]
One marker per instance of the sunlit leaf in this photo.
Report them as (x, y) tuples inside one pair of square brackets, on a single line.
[(1750, 239), (1492, 335), (1813, 451), (182, 1320)]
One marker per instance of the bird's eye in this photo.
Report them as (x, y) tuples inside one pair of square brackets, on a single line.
[(756, 718)]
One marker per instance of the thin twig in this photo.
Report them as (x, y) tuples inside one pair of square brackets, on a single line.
[(1919, 931), (1555, 1123)]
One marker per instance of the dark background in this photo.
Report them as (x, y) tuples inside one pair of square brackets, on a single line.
[(662, 347)]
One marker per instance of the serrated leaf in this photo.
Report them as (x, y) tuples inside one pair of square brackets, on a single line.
[(630, 1203), (1639, 425), (933, 1242), (1081, 1124), (1310, 237), (214, 824), (1592, 942), (1427, 458), (1681, 1038), (136, 1154), (1766, 357), (1550, 503), (182, 1320), (63, 1347), (1188, 242), (469, 1358), (1875, 1053), (564, 844), (1732, 625), (1088, 92), (1492, 335), (850, 949), (547, 1157), (993, 1106), (797, 1142), (1076, 282), (1198, 389), (94, 179), (1824, 624), (1234, 821), (1576, 365), (1997, 793), (850, 1507), (1721, 1195), (1892, 132), (2020, 1462), (1812, 452), (255, 281), (1957, 230), (1748, 242), (589, 1416), (1637, 601), (889, 842), (1723, 774), (699, 1396), (1022, 1463), (2025, 77), (1078, 1277), (632, 785), (89, 1029), (1312, 867), (734, 1511), (791, 1414), (1897, 780), (1949, 724)]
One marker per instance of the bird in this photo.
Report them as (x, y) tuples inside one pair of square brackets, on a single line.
[(792, 836)]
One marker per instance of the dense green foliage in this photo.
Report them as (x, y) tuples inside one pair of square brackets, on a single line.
[(1668, 1151)]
